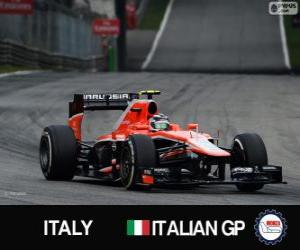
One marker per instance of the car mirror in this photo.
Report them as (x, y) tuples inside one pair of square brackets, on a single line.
[(193, 126)]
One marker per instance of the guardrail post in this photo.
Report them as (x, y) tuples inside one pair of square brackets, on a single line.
[(111, 59)]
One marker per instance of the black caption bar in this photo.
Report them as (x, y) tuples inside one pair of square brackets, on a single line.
[(256, 227)]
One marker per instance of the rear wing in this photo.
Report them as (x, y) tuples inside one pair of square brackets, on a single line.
[(106, 101)]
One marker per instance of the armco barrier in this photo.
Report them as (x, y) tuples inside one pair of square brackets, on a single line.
[(17, 54), (52, 36)]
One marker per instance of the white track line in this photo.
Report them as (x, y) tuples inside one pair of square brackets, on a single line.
[(284, 43), (158, 35), (19, 73)]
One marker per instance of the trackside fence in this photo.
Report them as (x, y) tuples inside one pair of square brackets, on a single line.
[(52, 37)]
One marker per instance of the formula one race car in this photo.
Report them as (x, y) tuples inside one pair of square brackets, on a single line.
[(146, 149)]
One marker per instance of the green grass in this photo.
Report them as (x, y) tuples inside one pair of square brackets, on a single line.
[(154, 14), (10, 68), (293, 40)]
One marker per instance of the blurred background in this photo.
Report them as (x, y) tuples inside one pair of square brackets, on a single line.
[(196, 36), (52, 33)]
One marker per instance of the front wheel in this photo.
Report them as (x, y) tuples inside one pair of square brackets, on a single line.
[(248, 150), (249, 187), (137, 154)]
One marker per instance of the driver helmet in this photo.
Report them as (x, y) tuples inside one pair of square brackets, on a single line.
[(160, 122)]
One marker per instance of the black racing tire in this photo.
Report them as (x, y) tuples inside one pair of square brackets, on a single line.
[(248, 150), (137, 154), (58, 149), (249, 187)]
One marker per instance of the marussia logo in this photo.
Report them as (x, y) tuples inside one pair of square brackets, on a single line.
[(183, 228), (99, 97)]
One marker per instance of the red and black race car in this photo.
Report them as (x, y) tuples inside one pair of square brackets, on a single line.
[(146, 149)]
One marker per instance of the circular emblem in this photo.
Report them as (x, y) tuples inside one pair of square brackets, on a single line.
[(274, 8), (270, 227)]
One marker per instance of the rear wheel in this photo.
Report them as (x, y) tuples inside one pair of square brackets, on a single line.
[(248, 150), (138, 154), (58, 148)]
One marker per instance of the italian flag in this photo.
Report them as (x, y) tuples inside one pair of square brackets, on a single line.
[(138, 227)]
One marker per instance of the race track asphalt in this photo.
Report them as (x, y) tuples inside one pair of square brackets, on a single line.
[(220, 36), (235, 103)]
